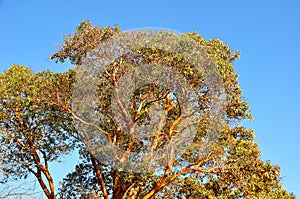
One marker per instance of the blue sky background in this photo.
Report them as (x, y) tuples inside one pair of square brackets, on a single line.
[(266, 32)]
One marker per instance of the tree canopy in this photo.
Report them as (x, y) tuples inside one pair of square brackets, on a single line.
[(40, 123)]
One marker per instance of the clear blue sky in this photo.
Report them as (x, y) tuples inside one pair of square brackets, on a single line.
[(266, 32)]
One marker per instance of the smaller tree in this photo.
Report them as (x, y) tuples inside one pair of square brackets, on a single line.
[(32, 133)]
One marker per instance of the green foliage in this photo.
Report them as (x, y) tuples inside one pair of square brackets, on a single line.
[(32, 133), (80, 43)]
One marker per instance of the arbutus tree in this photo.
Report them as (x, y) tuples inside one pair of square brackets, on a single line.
[(230, 168), (32, 134)]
